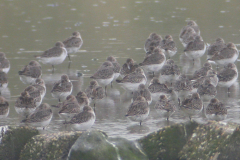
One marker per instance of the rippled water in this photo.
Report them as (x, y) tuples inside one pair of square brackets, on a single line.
[(117, 28)]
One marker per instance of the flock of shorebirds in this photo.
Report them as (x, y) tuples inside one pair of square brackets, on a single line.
[(170, 89)]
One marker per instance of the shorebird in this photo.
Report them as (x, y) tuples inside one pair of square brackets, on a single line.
[(216, 110), (206, 90), (165, 107), (154, 62), (156, 89), (69, 108), (82, 99), (3, 80), (144, 92), (229, 54), (227, 76), (105, 74), (169, 72), (168, 45), (128, 67), (93, 84), (83, 120), (183, 87), (73, 43), (196, 48), (202, 71), (62, 88), (191, 24), (25, 104), (216, 47), (133, 80), (30, 72), (139, 110), (34, 93), (153, 40), (192, 105), (40, 85), (116, 67), (4, 63), (53, 56), (4, 107), (41, 117)]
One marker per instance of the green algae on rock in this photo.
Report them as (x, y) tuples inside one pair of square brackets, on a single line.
[(167, 142), (13, 141), (96, 145), (208, 141), (49, 146)]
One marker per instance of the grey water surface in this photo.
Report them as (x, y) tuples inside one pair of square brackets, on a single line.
[(110, 27)]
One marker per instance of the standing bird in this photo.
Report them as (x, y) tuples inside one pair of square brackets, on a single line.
[(40, 85), (154, 62), (153, 40), (25, 104), (144, 92), (4, 107), (133, 80), (97, 94), (190, 24), (41, 117), (62, 88), (192, 106), (216, 110), (104, 74), (128, 67), (116, 67), (229, 54), (4, 63), (73, 43), (53, 56), (195, 49), (34, 93), (183, 87), (215, 47), (169, 72), (165, 107), (139, 110), (83, 120), (156, 89), (206, 90), (92, 85), (3, 80), (82, 99), (227, 76), (168, 45), (69, 108), (30, 72), (202, 71)]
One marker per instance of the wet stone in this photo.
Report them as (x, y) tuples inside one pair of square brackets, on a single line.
[(96, 145), (166, 143), (213, 140), (49, 146), (13, 140)]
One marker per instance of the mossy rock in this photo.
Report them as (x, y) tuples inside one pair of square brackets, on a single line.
[(167, 142), (230, 149), (208, 141), (96, 145), (13, 141), (49, 146)]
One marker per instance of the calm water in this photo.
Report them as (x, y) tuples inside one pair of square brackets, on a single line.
[(117, 28)]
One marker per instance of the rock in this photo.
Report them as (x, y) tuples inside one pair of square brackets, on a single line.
[(49, 146), (13, 140), (96, 145), (214, 140), (166, 143)]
